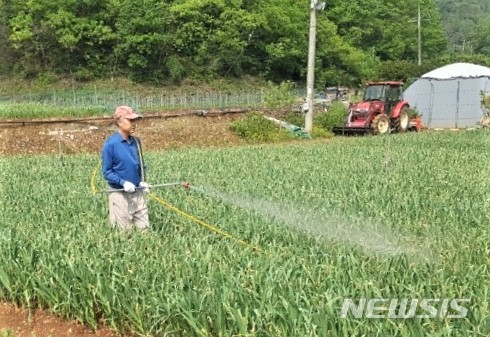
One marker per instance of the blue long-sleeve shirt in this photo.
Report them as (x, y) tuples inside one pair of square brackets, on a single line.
[(120, 161)]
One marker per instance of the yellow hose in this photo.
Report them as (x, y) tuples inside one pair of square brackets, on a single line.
[(92, 179), (180, 212), (202, 223)]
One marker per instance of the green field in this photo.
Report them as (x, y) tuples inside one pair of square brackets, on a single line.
[(403, 216)]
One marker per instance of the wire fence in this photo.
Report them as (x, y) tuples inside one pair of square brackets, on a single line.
[(162, 100)]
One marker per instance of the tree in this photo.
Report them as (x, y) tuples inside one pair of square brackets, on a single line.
[(61, 35), (460, 19), (211, 37), (142, 40), (277, 47), (8, 55), (388, 29), (480, 37)]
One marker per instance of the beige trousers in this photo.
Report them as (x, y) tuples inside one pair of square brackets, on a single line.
[(128, 210)]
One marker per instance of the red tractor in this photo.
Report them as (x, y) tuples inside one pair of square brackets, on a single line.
[(382, 110)]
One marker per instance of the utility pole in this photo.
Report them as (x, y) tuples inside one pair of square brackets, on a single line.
[(419, 32), (419, 35), (310, 77), (310, 80)]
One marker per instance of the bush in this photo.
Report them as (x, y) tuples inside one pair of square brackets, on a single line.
[(413, 113), (84, 75), (323, 122), (295, 118), (485, 100), (333, 117), (279, 96), (256, 129), (46, 78), (176, 69), (318, 130), (403, 70)]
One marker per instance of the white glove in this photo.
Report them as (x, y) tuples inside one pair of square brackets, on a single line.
[(145, 187), (129, 187)]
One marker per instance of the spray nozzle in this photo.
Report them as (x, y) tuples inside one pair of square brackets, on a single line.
[(185, 185)]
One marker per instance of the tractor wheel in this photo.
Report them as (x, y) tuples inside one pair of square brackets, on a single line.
[(401, 123), (381, 124)]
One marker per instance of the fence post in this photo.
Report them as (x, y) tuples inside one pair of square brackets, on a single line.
[(431, 102), (74, 96), (457, 104)]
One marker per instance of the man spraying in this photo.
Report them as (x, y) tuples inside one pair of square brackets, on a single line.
[(124, 170)]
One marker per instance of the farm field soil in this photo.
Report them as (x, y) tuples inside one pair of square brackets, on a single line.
[(397, 217), (87, 137), (41, 324), (157, 134)]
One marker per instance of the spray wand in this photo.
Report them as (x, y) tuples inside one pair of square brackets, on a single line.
[(183, 184)]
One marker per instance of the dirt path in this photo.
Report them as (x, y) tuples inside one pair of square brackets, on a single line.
[(87, 137)]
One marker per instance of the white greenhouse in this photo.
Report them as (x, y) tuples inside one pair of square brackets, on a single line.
[(450, 96)]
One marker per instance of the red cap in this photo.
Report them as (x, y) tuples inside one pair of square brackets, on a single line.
[(126, 112)]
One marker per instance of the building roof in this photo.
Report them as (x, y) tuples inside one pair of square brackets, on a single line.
[(458, 70)]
